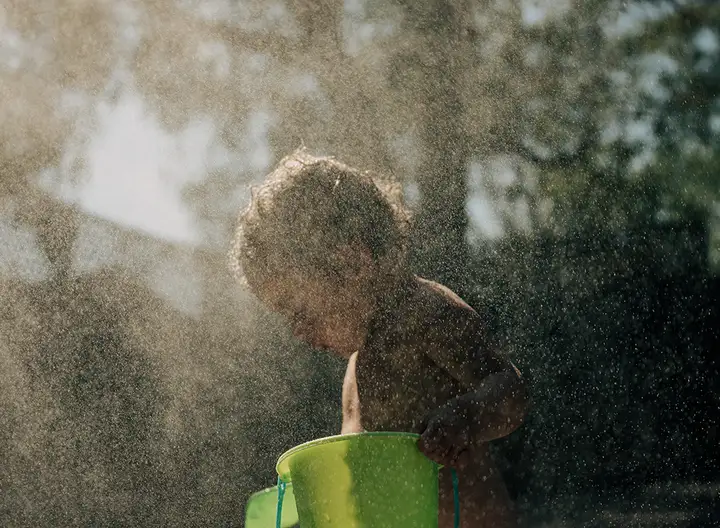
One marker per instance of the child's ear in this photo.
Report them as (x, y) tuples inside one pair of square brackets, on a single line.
[(356, 261)]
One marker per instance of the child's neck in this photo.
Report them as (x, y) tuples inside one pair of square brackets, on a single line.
[(390, 305)]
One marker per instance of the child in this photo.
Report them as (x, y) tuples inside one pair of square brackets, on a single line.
[(323, 246)]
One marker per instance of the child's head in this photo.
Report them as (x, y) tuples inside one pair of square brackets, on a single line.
[(307, 212), (316, 220)]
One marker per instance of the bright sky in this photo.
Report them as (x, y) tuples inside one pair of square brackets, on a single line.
[(136, 170)]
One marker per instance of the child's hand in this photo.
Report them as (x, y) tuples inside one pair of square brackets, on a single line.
[(446, 435)]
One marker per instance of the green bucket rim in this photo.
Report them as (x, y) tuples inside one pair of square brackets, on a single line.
[(282, 467), (271, 489)]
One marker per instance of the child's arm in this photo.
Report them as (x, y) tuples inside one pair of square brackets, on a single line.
[(495, 401), (350, 400), (495, 408)]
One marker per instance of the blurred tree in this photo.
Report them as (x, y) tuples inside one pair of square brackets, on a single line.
[(55, 51), (612, 163), (635, 113), (435, 56)]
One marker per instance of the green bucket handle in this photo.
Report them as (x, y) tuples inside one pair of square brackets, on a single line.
[(281, 496), (456, 497)]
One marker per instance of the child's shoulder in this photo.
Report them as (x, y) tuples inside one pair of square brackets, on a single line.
[(441, 313), (425, 311), (437, 298), (447, 329)]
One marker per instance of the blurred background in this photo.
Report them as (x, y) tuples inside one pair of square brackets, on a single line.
[(561, 159)]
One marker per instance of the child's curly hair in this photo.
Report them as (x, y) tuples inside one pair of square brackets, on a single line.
[(307, 209)]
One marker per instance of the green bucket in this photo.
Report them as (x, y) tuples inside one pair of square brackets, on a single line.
[(261, 509), (363, 480)]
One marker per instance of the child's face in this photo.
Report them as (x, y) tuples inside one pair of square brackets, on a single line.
[(323, 314)]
